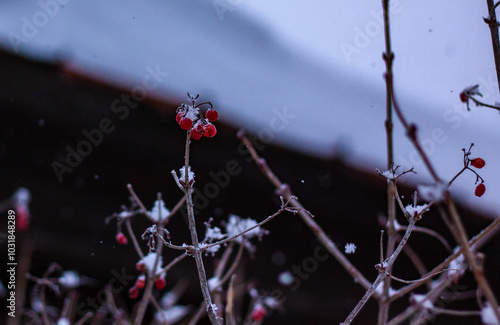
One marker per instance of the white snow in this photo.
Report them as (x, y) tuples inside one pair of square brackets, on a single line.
[(285, 278), (21, 196), (149, 262), (488, 316), (214, 234), (69, 279), (431, 193), (159, 212), (182, 172), (213, 282), (172, 314), (237, 225), (212, 249), (421, 299), (350, 248), (414, 210), (306, 77)]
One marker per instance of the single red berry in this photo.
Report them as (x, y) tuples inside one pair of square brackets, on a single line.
[(160, 283), (178, 117), (121, 239), (140, 282), (480, 189), (212, 115), (186, 123), (478, 163), (464, 97), (209, 130), (23, 217), (140, 266), (258, 313), (195, 134), (133, 293)]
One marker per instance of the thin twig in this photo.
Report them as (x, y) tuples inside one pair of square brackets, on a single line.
[(230, 302), (134, 239), (150, 281), (197, 253), (382, 274), (495, 42), (138, 201), (478, 241), (286, 192), (174, 210), (283, 208)]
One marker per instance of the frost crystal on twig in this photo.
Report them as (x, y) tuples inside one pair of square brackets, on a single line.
[(172, 314), (182, 173), (237, 225), (415, 210), (422, 300), (159, 212), (149, 261), (432, 192)]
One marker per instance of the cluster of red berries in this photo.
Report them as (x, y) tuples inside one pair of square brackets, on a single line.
[(140, 283), (479, 163), (190, 118)]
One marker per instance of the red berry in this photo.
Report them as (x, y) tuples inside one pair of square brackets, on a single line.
[(121, 239), (140, 282), (258, 313), (160, 283), (133, 293), (23, 217), (463, 97), (209, 130), (186, 123), (140, 266), (480, 189), (478, 162), (178, 117), (195, 134), (212, 115)]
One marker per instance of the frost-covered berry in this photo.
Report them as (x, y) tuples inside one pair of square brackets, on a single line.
[(209, 130), (133, 293), (196, 134), (140, 266), (22, 217), (140, 282), (186, 123), (121, 239), (258, 313), (480, 189), (478, 163), (212, 115), (160, 283), (178, 117)]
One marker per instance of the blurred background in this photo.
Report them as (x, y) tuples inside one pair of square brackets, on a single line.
[(305, 80)]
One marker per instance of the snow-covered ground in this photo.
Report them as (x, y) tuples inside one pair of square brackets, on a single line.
[(307, 76)]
